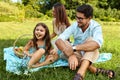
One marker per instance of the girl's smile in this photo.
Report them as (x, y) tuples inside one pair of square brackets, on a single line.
[(39, 32)]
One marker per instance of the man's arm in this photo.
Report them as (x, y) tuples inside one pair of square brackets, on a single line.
[(65, 47), (92, 43), (88, 46), (62, 42)]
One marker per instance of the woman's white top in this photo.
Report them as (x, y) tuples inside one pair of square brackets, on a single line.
[(58, 29)]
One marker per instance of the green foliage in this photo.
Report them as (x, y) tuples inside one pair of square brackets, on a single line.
[(49, 13), (71, 13), (45, 17), (10, 12), (114, 4), (25, 2), (103, 4), (5, 18), (21, 15), (31, 12), (107, 15), (107, 19), (103, 9), (98, 13)]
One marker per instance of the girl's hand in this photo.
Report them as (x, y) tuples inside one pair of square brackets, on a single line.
[(28, 54), (53, 51)]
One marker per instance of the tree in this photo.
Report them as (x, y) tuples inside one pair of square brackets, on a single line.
[(25, 2), (103, 4), (114, 4)]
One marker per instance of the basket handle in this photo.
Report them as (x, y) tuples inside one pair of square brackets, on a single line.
[(18, 39)]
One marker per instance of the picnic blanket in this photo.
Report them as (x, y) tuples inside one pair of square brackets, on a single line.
[(18, 66)]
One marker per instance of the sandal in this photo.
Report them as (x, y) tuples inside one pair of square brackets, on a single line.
[(109, 73), (78, 77)]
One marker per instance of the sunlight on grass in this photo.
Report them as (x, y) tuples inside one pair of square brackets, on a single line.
[(9, 31)]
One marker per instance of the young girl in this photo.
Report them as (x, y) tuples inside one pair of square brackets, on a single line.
[(41, 45), (60, 21)]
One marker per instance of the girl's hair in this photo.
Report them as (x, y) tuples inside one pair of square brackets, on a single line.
[(46, 37), (61, 16)]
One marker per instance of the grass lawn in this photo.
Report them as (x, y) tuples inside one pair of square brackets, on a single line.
[(9, 31)]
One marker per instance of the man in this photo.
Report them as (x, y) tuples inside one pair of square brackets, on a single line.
[(88, 38)]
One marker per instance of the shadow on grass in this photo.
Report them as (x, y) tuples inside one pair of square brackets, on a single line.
[(60, 73), (117, 70), (5, 44)]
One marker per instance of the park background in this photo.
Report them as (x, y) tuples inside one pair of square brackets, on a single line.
[(20, 17)]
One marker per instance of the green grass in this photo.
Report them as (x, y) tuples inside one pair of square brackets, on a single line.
[(9, 31)]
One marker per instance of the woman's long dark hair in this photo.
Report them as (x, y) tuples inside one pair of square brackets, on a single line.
[(61, 16), (46, 37)]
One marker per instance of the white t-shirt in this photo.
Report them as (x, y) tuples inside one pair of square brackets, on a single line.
[(58, 29)]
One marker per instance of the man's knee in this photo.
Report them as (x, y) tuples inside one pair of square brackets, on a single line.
[(86, 61), (58, 41)]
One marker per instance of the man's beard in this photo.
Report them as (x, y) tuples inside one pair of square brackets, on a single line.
[(81, 26)]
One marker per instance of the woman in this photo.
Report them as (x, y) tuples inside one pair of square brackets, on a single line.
[(60, 20)]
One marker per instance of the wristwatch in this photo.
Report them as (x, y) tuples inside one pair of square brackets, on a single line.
[(74, 48)]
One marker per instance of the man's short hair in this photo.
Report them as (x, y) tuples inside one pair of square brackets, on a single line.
[(86, 9)]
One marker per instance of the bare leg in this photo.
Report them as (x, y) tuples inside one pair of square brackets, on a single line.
[(109, 73), (83, 67), (50, 59), (92, 69), (36, 57)]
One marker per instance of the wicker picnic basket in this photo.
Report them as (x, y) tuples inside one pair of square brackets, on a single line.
[(19, 51)]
